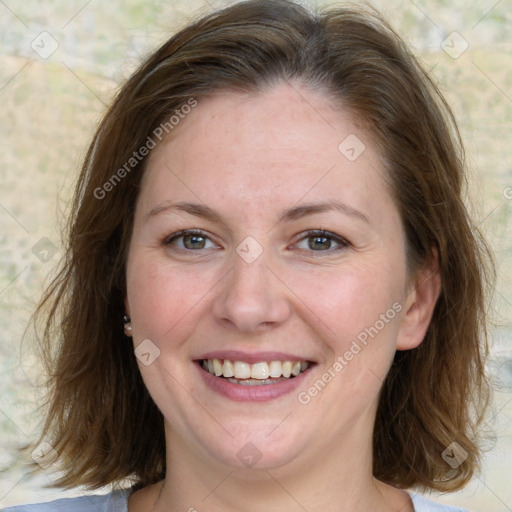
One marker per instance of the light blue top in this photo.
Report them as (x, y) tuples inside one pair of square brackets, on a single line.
[(117, 501)]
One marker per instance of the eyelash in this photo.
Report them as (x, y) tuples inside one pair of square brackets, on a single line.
[(180, 234), (313, 233), (320, 233)]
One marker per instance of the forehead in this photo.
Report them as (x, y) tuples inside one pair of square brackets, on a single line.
[(279, 145)]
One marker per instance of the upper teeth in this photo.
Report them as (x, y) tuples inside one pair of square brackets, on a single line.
[(262, 370)]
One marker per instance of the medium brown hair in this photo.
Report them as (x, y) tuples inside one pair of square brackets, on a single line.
[(101, 419)]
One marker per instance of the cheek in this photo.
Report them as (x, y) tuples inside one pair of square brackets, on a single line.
[(352, 298), (164, 298), (359, 309)]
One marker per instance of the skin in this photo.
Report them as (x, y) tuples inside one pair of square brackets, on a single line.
[(249, 158)]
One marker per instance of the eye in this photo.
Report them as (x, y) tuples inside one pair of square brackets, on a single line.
[(189, 240), (318, 240)]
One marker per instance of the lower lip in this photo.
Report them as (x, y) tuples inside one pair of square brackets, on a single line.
[(256, 393)]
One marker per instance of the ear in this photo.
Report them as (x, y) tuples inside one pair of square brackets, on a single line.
[(419, 305), (126, 306)]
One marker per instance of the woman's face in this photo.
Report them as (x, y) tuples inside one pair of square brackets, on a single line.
[(297, 255)]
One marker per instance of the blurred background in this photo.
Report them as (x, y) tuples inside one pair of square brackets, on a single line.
[(61, 62)]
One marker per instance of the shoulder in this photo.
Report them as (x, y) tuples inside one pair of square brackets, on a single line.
[(115, 501), (422, 504)]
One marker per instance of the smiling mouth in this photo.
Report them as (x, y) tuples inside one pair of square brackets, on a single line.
[(257, 374)]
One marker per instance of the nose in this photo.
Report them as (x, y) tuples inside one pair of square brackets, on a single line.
[(251, 297)]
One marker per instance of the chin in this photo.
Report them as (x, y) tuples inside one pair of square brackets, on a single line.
[(259, 448)]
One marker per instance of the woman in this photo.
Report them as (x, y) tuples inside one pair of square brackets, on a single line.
[(272, 206)]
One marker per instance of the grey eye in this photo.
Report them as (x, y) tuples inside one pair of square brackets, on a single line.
[(190, 240), (319, 241)]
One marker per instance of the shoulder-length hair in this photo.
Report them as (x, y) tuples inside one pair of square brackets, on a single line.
[(100, 418)]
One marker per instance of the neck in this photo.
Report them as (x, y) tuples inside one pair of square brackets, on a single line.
[(338, 479)]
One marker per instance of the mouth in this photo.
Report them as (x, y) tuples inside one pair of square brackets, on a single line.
[(262, 373)]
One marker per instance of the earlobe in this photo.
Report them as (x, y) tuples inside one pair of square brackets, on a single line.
[(419, 305), (127, 320)]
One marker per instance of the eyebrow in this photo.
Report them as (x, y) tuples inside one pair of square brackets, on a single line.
[(293, 213), (302, 210), (199, 210)]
